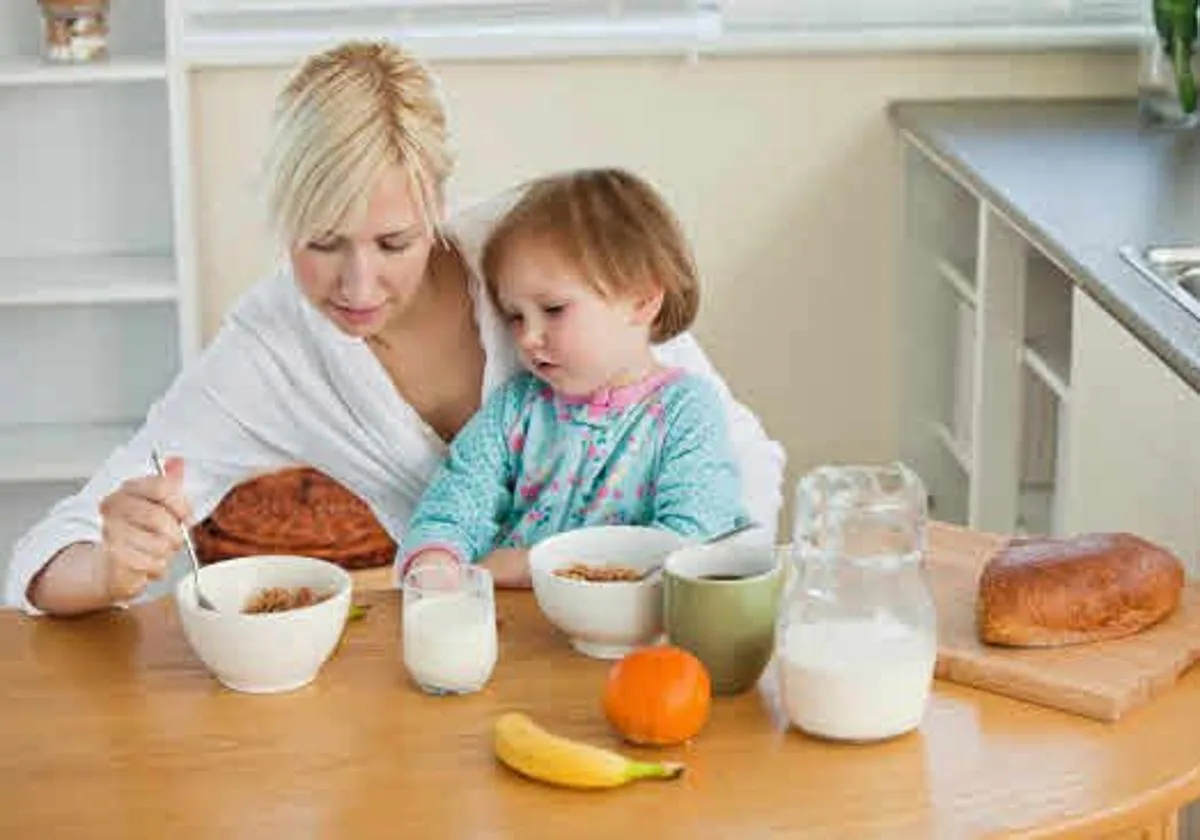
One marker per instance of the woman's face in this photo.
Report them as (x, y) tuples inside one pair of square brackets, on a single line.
[(363, 278)]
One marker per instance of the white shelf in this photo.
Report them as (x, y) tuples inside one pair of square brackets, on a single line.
[(45, 281), (33, 70), (1050, 362), (957, 448), (58, 452), (958, 280)]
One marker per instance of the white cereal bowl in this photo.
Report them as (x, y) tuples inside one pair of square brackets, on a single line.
[(264, 653), (603, 620)]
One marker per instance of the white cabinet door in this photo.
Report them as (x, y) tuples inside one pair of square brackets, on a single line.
[(1134, 439), (1189, 446)]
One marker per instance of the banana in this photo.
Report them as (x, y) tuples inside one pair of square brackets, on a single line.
[(532, 751)]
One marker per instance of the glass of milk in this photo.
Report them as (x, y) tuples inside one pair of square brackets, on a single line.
[(856, 640), (449, 628)]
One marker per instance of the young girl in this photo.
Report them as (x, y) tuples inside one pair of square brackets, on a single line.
[(589, 269)]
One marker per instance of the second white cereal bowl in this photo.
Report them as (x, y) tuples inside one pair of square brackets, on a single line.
[(604, 620)]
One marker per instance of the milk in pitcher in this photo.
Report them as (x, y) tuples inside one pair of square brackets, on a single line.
[(856, 679)]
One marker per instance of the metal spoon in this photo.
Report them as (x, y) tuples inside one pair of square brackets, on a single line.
[(721, 537), (187, 541)]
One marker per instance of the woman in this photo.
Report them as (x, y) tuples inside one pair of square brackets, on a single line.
[(362, 356)]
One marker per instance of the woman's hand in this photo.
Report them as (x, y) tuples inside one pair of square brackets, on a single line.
[(140, 531), (509, 568)]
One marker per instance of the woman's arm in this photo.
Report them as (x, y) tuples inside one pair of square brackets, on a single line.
[(74, 581), (760, 460)]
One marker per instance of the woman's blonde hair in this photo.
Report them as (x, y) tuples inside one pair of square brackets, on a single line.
[(344, 117), (616, 229)]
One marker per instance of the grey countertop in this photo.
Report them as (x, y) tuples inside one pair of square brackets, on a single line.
[(1080, 179)]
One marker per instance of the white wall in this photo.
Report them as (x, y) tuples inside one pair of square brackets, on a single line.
[(784, 171)]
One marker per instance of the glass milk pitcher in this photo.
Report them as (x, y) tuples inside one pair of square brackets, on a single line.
[(857, 636)]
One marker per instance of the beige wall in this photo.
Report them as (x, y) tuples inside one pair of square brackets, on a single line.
[(784, 171)]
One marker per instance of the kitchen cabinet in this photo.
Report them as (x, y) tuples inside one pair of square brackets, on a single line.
[(1026, 406), (1134, 438), (97, 304)]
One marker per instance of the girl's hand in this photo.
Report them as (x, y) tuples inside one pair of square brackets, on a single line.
[(439, 569), (140, 530), (509, 568)]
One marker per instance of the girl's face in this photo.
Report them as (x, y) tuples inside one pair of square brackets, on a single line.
[(364, 278), (568, 335)]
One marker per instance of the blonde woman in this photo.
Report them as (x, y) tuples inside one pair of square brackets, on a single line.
[(362, 356)]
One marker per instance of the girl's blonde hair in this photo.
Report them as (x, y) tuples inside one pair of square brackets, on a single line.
[(616, 229), (344, 117)]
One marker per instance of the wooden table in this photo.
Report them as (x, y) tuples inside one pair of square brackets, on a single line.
[(112, 728)]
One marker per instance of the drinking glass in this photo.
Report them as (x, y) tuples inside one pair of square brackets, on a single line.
[(449, 628)]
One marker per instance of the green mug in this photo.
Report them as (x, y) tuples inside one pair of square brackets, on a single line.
[(720, 603)]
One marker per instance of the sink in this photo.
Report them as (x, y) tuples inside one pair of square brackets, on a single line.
[(1174, 269), (1191, 284)]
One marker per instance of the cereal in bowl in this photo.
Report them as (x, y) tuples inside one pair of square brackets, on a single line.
[(599, 574), (280, 599)]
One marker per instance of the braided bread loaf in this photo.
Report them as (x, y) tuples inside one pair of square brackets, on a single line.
[(295, 511)]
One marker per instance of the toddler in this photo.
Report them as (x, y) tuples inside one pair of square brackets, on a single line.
[(589, 269)]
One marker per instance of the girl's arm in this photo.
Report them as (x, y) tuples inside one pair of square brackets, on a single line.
[(698, 490), (760, 460), (460, 511)]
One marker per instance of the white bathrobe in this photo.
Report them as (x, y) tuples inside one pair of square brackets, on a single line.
[(279, 385)]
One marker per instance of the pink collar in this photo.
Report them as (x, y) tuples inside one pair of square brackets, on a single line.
[(606, 400)]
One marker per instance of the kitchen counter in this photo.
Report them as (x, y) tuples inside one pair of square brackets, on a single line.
[(1079, 179)]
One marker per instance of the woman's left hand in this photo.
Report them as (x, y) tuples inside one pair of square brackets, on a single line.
[(509, 568)]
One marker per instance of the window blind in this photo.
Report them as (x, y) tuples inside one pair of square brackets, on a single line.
[(449, 12), (763, 13), (850, 14), (449, 19), (240, 31), (218, 31)]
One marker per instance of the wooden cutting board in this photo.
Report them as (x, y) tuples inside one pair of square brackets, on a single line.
[(1101, 680)]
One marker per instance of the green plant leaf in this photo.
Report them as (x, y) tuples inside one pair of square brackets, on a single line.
[(1177, 24)]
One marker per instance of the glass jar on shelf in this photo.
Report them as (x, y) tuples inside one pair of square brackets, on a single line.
[(74, 31)]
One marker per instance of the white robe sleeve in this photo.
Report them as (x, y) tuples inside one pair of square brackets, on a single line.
[(760, 459)]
